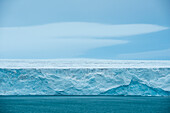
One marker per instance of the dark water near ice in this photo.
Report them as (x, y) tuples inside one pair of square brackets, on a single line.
[(83, 104)]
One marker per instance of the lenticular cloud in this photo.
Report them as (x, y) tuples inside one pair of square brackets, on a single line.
[(79, 30)]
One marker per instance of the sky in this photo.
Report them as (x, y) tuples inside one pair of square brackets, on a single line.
[(97, 29)]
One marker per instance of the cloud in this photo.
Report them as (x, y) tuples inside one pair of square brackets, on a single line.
[(152, 55), (52, 48), (67, 39), (79, 30)]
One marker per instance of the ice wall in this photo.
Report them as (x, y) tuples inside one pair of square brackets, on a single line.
[(85, 81)]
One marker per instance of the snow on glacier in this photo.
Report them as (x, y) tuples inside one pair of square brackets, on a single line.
[(84, 77)]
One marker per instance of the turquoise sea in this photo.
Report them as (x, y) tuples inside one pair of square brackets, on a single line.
[(84, 104)]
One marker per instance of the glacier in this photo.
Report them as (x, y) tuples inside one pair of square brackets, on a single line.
[(84, 77)]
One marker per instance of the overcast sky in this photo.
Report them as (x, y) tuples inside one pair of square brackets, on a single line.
[(101, 29)]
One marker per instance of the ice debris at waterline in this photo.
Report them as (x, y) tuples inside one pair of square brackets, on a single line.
[(137, 79)]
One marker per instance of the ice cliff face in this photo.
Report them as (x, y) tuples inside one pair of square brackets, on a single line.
[(85, 81)]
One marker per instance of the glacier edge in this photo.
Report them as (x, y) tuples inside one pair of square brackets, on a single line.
[(99, 81)]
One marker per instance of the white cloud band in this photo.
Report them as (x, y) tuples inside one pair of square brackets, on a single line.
[(79, 29), (157, 54)]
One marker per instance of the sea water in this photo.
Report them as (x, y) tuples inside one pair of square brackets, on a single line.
[(84, 104)]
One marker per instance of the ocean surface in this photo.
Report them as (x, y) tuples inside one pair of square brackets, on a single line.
[(84, 104)]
